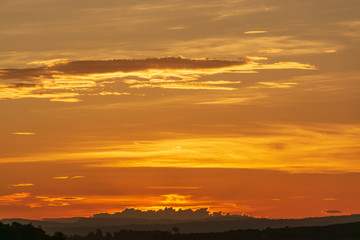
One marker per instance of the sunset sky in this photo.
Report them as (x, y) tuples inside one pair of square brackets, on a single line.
[(243, 106)]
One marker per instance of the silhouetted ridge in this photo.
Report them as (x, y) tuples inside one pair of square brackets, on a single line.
[(349, 231), (17, 231), (109, 223)]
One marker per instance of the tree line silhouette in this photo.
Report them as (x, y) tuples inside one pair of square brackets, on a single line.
[(348, 231), (17, 231)]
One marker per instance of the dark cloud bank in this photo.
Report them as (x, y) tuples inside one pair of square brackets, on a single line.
[(117, 65)]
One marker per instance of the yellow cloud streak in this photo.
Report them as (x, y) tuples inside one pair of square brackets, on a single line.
[(71, 100), (255, 32), (62, 87), (49, 63), (290, 148), (62, 177), (18, 93), (22, 185), (172, 187), (176, 199), (194, 86), (24, 133), (234, 100), (8, 199), (275, 85)]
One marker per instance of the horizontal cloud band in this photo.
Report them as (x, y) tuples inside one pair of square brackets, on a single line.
[(65, 81)]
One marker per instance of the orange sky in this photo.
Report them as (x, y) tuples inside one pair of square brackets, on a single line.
[(241, 106)]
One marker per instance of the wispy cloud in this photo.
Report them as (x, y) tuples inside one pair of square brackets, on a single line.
[(66, 81), (23, 133), (232, 100), (49, 63), (62, 177), (68, 177), (176, 199), (275, 85), (172, 187), (255, 32), (54, 201), (332, 211), (13, 198), (308, 148), (22, 185)]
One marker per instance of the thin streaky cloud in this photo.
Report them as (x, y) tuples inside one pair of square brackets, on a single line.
[(67, 81), (22, 185), (15, 197), (23, 133), (171, 187), (255, 32), (234, 100), (61, 177)]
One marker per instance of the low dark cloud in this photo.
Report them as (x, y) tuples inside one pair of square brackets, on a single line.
[(24, 74), (166, 213), (131, 65), (332, 211), (117, 65), (21, 85)]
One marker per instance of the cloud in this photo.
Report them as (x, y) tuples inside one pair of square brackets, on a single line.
[(193, 86), (22, 185), (176, 199), (233, 100), (77, 177), (307, 146), (120, 65), (255, 58), (332, 211), (56, 99), (330, 51), (49, 63), (271, 50), (275, 85), (287, 65), (350, 29), (167, 213), (66, 81), (8, 199), (255, 32), (67, 177), (23, 133), (172, 187), (55, 201), (62, 177)]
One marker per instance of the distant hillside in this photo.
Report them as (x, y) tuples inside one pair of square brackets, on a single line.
[(347, 231), (82, 226)]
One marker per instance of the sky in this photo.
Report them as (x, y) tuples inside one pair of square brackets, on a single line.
[(241, 106)]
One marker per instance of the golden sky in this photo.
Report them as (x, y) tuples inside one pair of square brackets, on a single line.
[(244, 106)]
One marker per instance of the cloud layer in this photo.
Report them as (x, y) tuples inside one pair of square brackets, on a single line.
[(66, 81)]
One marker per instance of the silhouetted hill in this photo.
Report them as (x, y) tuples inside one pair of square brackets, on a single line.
[(348, 231), (17, 231), (214, 224)]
